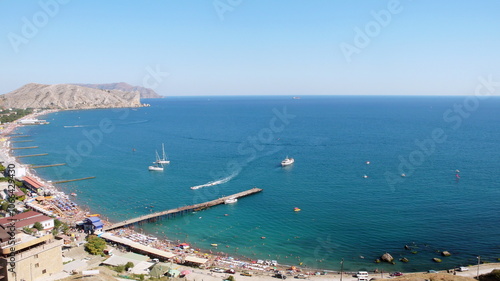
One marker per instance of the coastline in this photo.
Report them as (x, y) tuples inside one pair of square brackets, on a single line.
[(80, 213)]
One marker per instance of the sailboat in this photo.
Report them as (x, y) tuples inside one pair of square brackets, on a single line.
[(163, 160), (158, 166)]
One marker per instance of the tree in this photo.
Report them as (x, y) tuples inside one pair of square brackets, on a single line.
[(129, 265), (95, 245), (38, 226)]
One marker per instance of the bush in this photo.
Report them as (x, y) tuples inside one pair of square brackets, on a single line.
[(38, 226), (95, 245), (129, 265)]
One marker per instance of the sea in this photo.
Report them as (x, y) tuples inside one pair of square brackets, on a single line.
[(372, 174)]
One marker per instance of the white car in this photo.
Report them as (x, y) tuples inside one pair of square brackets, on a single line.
[(462, 268)]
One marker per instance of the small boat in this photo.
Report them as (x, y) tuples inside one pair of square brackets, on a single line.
[(403, 175), (158, 166), (367, 162), (365, 176), (214, 245), (230, 200), (73, 194), (296, 209), (94, 215), (287, 162), (163, 160)]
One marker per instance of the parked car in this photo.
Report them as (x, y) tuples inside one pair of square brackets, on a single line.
[(300, 276), (230, 271), (218, 270), (397, 273), (431, 271), (462, 268), (362, 274), (280, 276), (246, 274)]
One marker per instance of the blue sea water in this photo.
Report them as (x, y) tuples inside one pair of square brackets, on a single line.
[(241, 140)]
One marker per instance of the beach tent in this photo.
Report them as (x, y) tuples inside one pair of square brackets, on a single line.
[(173, 273)]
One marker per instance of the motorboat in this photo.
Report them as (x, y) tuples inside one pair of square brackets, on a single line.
[(230, 200), (287, 162)]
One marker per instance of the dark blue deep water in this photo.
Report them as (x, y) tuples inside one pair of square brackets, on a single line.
[(241, 140)]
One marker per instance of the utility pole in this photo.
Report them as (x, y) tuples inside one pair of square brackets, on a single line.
[(478, 262), (341, 268)]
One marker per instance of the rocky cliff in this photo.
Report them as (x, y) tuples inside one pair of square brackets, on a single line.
[(66, 96), (146, 93)]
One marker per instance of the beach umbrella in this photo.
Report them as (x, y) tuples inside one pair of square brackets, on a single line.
[(185, 272)]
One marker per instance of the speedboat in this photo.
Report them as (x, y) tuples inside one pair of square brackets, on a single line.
[(287, 161), (230, 200)]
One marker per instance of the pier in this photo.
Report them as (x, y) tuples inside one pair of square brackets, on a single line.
[(27, 147), (182, 210), (21, 136), (87, 178), (32, 155), (45, 166), (21, 141)]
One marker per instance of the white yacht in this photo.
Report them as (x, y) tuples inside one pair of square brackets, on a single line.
[(230, 200), (163, 160), (287, 161), (158, 166)]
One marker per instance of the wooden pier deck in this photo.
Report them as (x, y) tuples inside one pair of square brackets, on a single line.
[(32, 155), (27, 147), (181, 210)]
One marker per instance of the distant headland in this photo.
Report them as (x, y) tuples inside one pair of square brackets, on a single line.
[(71, 96)]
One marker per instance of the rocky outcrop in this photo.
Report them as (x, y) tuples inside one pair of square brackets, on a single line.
[(387, 258), (146, 93), (445, 254), (436, 260), (67, 96)]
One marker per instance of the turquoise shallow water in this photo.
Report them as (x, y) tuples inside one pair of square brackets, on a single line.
[(243, 140)]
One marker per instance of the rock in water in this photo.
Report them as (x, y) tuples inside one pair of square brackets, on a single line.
[(404, 259), (436, 260), (387, 258), (445, 253)]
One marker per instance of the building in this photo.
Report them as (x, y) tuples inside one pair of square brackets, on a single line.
[(28, 219), (34, 256), (32, 184), (93, 225)]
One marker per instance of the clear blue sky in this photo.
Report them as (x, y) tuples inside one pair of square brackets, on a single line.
[(253, 47)]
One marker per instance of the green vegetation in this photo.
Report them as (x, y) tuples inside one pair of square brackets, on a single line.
[(95, 245), (38, 226), (27, 230), (129, 265), (59, 227), (7, 116), (2, 168), (119, 268), (231, 278)]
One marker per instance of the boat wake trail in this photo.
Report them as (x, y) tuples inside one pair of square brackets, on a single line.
[(217, 182)]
